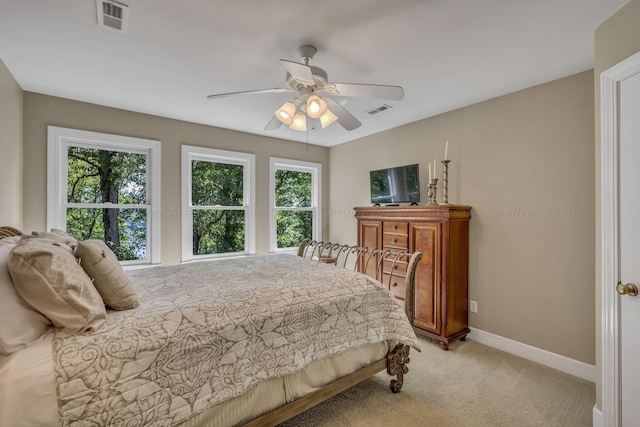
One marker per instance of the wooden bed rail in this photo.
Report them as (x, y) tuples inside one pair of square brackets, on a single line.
[(348, 255)]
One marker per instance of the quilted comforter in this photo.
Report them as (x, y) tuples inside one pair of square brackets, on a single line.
[(206, 332)]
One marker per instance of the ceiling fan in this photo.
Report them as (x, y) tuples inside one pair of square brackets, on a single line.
[(310, 82)]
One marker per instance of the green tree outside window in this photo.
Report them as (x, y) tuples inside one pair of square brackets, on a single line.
[(216, 189), (293, 204), (96, 176)]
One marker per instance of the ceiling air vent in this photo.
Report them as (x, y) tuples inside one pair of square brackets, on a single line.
[(113, 15), (378, 109)]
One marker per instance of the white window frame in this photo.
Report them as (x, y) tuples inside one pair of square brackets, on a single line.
[(58, 142), (316, 197), (248, 161)]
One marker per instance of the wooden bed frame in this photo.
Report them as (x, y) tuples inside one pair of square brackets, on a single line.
[(395, 361)]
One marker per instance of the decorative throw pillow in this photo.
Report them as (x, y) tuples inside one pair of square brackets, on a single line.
[(55, 234), (46, 274), (102, 265), (21, 324)]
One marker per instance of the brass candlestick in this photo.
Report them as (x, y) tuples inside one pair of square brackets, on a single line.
[(445, 184), (433, 189)]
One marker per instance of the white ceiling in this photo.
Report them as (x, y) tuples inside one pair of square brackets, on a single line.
[(445, 53)]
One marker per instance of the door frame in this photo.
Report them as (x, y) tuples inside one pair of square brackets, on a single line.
[(609, 250)]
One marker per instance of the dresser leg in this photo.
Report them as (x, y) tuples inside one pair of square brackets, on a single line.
[(444, 345)]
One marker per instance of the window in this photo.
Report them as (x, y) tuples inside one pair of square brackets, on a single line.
[(218, 203), (106, 187), (295, 202)]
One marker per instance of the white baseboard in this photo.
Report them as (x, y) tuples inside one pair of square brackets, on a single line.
[(598, 419), (544, 357)]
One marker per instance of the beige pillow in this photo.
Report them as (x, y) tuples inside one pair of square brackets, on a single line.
[(102, 265), (21, 324), (46, 274), (54, 234)]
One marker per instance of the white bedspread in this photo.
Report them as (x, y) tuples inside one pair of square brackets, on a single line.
[(206, 332), (27, 392)]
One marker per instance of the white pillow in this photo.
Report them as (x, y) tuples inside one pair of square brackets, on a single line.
[(21, 324)]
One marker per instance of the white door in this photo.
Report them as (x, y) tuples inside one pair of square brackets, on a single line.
[(629, 235), (620, 245)]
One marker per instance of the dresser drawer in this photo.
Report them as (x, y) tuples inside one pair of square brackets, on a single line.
[(395, 241), (397, 286), (399, 268), (396, 227)]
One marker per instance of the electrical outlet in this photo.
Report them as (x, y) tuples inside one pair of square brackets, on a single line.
[(473, 306)]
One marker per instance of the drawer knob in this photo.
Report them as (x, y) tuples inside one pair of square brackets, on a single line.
[(394, 227), (628, 289), (395, 267), (394, 284)]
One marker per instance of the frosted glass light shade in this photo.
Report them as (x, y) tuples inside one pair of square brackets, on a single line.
[(286, 112), (316, 106), (299, 122), (327, 118)]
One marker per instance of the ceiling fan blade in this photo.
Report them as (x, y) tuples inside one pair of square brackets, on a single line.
[(300, 72), (344, 117), (394, 93), (250, 92), (273, 124)]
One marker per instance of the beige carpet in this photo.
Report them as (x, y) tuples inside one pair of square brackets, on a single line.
[(470, 385)]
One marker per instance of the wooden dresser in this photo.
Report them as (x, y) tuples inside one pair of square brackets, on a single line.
[(441, 233)]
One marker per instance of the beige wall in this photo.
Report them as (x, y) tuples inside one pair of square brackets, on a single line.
[(10, 149), (41, 111), (615, 39), (524, 161)]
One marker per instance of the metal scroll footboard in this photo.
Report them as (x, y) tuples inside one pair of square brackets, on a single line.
[(349, 256)]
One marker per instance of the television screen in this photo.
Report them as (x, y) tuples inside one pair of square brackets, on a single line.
[(395, 185)]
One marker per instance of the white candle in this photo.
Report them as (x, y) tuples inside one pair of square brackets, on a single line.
[(429, 172), (446, 148), (435, 174)]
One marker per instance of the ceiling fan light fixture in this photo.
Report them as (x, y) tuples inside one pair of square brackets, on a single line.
[(299, 122), (316, 106), (307, 81), (327, 118), (286, 113)]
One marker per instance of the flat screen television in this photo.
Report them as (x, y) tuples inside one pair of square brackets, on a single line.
[(395, 185)]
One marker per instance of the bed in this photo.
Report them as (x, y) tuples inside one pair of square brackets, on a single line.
[(247, 341)]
